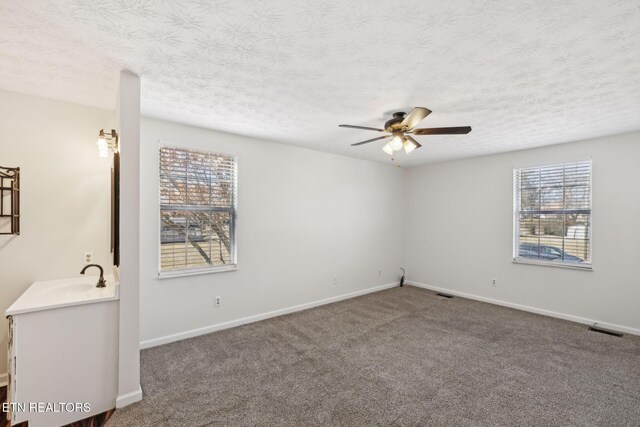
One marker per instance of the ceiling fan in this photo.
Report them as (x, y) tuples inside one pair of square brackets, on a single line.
[(402, 126)]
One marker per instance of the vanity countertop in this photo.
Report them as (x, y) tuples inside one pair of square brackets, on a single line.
[(49, 294)]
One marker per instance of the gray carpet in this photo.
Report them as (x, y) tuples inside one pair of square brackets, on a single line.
[(398, 357)]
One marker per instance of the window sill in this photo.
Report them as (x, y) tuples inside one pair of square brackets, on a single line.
[(196, 272), (583, 267)]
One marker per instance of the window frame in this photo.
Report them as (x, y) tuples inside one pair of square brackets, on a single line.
[(586, 266), (166, 274)]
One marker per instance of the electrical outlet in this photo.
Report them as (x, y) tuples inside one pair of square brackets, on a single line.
[(88, 257), (494, 282), (218, 301), (380, 271)]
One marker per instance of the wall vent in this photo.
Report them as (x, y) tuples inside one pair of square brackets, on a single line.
[(444, 295), (605, 331)]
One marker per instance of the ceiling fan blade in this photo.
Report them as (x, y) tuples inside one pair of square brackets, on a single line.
[(442, 131), (415, 116), (410, 138), (371, 140), (361, 127)]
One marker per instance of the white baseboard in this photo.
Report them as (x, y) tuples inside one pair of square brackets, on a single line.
[(255, 318), (3, 380), (570, 317), (129, 398)]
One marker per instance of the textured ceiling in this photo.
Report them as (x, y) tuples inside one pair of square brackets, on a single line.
[(521, 73)]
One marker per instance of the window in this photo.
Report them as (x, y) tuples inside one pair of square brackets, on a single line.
[(197, 211), (552, 210)]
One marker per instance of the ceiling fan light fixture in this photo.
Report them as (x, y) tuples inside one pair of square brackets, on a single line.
[(396, 143), (401, 129), (409, 146)]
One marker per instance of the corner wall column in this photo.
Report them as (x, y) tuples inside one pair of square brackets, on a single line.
[(128, 114)]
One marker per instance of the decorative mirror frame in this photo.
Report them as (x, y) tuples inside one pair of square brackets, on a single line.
[(9, 200), (115, 209)]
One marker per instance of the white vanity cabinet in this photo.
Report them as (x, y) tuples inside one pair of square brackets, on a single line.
[(63, 352)]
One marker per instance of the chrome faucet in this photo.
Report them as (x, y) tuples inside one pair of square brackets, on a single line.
[(102, 283)]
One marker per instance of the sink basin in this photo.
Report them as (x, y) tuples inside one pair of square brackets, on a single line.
[(70, 288), (50, 294)]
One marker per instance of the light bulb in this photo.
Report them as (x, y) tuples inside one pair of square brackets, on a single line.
[(396, 143), (387, 149), (409, 146), (103, 146)]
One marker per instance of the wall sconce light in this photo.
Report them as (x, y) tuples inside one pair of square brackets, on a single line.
[(107, 142)]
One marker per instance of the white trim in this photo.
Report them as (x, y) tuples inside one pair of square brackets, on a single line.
[(168, 274), (570, 317), (3, 380), (255, 318), (576, 266), (129, 398)]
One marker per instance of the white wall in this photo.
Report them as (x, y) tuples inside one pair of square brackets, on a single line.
[(459, 232), (303, 217), (65, 193)]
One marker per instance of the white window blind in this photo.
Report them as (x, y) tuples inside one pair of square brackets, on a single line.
[(552, 207), (197, 210)]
